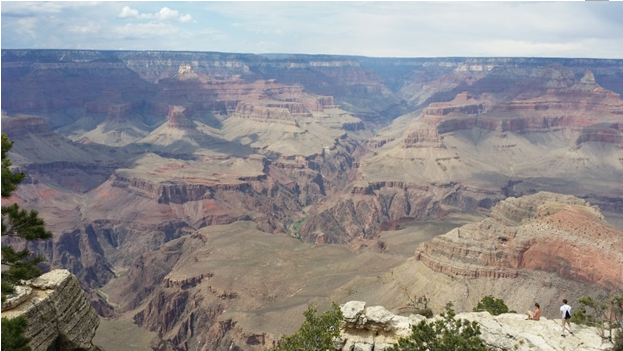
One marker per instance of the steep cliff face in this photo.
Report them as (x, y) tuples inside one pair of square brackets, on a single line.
[(161, 199), (547, 232), (53, 159), (59, 314)]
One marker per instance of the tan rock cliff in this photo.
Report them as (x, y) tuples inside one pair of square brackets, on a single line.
[(59, 314)]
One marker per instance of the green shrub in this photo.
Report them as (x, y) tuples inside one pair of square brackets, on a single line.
[(618, 341), (12, 334), (492, 305), (317, 333), (17, 223), (426, 312), (604, 313), (445, 333)]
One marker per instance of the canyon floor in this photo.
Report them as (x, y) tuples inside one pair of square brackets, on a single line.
[(277, 276)]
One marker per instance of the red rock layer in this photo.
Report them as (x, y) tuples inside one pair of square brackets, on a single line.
[(563, 106), (176, 118), (545, 231)]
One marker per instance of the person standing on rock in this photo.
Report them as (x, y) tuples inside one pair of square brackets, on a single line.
[(565, 309)]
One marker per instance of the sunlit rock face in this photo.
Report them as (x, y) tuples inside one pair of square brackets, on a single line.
[(542, 232), (59, 314)]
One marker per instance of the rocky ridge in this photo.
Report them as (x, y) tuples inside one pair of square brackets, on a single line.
[(546, 231), (374, 328), (59, 314)]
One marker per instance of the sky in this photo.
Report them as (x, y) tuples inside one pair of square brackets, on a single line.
[(380, 29)]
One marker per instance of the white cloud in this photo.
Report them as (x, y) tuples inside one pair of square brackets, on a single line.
[(186, 18), (24, 8), (128, 12), (527, 48), (405, 29), (165, 14)]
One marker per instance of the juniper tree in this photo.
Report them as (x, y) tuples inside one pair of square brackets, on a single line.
[(317, 333), (18, 223), (492, 305), (443, 334), (604, 313)]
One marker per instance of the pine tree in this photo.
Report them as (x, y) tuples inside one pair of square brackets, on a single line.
[(13, 338), (18, 223)]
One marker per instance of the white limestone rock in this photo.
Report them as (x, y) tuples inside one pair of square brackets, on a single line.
[(376, 329), (20, 295), (512, 331), (60, 316), (363, 347), (379, 318), (352, 310), (50, 280)]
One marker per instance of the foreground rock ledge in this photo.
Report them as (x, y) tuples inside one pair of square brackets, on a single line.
[(376, 329), (59, 314)]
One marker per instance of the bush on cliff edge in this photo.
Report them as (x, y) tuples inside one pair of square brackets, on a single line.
[(445, 333), (317, 333), (492, 305)]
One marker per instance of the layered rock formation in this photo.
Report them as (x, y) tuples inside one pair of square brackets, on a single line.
[(159, 145), (59, 314), (369, 207), (541, 232), (375, 328), (486, 139)]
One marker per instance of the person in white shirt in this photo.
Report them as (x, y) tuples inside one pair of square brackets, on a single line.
[(565, 309)]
